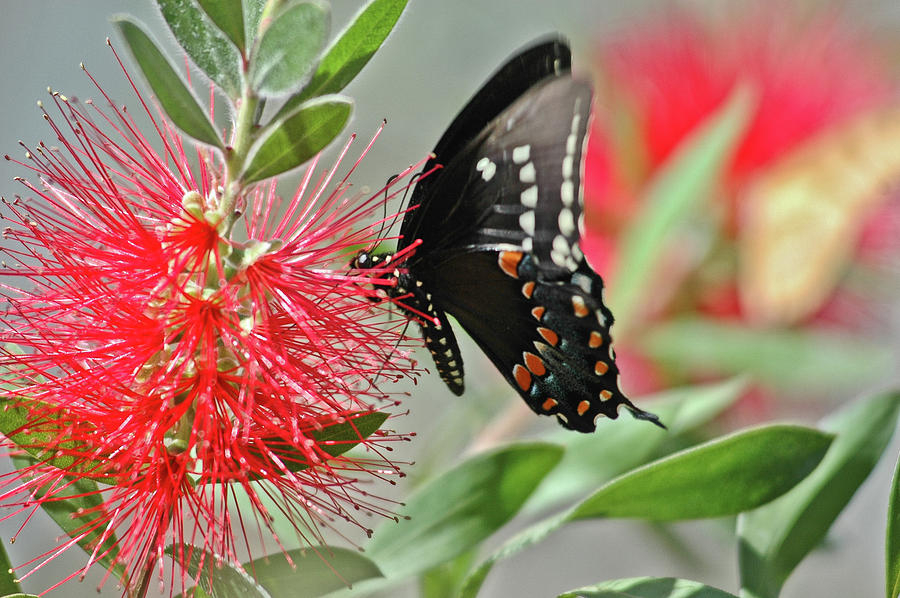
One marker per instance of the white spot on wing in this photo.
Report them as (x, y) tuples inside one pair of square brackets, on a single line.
[(527, 244), (529, 196), (566, 221), (526, 221), (521, 154), (560, 245), (583, 282), (567, 193), (527, 174), (487, 168), (567, 167)]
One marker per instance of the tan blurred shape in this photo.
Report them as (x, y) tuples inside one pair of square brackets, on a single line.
[(801, 218)]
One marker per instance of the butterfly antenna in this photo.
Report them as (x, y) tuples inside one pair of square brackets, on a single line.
[(384, 214)]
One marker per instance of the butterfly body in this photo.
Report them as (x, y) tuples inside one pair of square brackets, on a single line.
[(497, 228)]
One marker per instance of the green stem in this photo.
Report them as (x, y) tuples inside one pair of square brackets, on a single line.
[(236, 157)]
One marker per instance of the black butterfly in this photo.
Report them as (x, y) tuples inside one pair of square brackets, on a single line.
[(497, 229)]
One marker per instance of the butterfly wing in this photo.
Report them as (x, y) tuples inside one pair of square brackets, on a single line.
[(548, 336), (499, 229), (435, 195)]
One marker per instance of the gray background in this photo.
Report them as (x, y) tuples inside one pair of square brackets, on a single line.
[(438, 55)]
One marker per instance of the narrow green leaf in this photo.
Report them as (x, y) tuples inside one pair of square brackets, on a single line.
[(335, 439), (352, 50), (42, 441), (527, 537), (807, 360), (173, 95), (289, 48), (217, 576), (76, 506), (618, 446), (775, 538), (679, 190), (445, 581), (207, 45), (722, 477), (253, 10), (298, 137), (458, 510), (8, 583), (228, 15), (892, 542), (315, 571), (726, 476), (20, 595), (648, 587)]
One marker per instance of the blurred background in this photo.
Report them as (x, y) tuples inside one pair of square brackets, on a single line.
[(785, 270)]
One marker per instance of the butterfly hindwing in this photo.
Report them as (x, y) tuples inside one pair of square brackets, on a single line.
[(548, 337)]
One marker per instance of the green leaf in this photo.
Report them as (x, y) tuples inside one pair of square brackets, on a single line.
[(350, 52), (297, 137), (76, 506), (726, 476), (445, 580), (458, 510), (253, 10), (807, 360), (723, 477), (228, 16), (8, 583), (527, 537), (775, 538), (207, 45), (648, 587), (217, 576), (173, 95), (892, 542), (335, 439), (675, 196), (289, 48), (316, 571), (618, 446), (20, 595), (42, 441)]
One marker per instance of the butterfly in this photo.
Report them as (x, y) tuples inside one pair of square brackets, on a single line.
[(492, 234)]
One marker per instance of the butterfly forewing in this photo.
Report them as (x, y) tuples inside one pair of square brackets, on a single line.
[(512, 81)]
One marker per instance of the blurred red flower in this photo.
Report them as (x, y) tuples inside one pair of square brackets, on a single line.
[(816, 79)]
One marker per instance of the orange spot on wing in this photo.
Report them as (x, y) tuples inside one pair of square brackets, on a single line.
[(549, 336), (596, 340), (601, 368), (509, 262), (523, 378), (528, 289), (538, 312), (535, 364), (605, 395), (549, 404), (582, 408)]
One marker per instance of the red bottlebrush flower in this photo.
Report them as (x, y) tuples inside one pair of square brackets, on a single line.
[(153, 348)]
